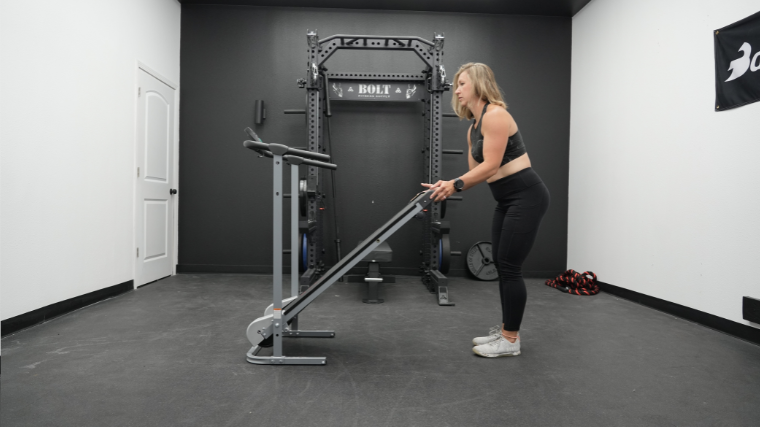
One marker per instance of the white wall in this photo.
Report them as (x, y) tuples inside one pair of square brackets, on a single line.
[(664, 192), (67, 141)]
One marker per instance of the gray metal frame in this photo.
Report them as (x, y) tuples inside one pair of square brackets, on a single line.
[(279, 155), (278, 326), (275, 327), (282, 322), (433, 78)]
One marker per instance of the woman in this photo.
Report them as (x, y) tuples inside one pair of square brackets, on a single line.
[(497, 155)]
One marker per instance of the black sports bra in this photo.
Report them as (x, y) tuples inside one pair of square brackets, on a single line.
[(515, 145)]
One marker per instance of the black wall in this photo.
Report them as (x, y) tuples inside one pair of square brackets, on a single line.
[(231, 56)]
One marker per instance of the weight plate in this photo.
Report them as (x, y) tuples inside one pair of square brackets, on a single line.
[(440, 253), (480, 261), (304, 253), (444, 254), (302, 200)]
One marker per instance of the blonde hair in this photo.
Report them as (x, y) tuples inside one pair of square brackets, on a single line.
[(484, 84)]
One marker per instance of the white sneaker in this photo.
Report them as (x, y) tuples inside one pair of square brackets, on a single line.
[(500, 347), (493, 335)]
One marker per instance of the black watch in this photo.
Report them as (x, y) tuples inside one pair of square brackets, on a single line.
[(458, 184)]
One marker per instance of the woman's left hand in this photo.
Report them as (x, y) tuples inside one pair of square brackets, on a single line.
[(443, 189)]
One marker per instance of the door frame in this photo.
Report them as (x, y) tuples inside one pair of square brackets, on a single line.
[(141, 66)]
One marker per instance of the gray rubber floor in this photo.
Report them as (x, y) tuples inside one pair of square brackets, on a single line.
[(173, 353)]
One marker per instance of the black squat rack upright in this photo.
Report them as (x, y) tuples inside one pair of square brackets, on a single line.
[(323, 87)]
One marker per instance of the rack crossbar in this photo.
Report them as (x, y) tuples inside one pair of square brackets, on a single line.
[(397, 39)]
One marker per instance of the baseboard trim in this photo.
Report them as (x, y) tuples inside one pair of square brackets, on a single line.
[(744, 332), (41, 315)]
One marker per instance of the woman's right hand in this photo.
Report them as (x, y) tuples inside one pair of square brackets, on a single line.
[(443, 189), (431, 186)]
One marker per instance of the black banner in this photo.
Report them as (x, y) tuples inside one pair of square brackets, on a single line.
[(737, 63), (380, 90)]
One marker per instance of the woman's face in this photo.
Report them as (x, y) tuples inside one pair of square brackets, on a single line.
[(465, 92)]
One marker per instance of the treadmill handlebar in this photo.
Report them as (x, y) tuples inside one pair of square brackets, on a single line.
[(309, 154), (296, 160), (257, 145), (423, 198)]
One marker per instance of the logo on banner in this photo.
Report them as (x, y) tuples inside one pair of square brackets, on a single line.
[(741, 65), (338, 90), (734, 57), (410, 91), (374, 91)]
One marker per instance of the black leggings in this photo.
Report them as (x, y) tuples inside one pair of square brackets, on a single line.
[(522, 202)]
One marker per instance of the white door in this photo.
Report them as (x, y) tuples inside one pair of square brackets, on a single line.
[(155, 163)]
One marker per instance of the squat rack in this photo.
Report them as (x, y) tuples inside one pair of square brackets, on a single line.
[(322, 87)]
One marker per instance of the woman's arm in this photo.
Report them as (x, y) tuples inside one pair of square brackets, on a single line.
[(495, 129), (470, 161)]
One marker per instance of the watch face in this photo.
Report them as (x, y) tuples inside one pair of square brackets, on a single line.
[(458, 184)]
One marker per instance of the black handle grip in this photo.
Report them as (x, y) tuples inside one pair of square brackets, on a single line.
[(264, 148), (295, 111), (309, 154), (255, 145), (452, 151), (296, 160)]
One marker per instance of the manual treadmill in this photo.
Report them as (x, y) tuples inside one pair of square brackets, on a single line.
[(280, 318)]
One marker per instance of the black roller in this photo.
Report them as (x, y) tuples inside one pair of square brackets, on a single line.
[(267, 342), (480, 261)]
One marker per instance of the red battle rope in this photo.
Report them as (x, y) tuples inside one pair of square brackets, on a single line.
[(576, 283)]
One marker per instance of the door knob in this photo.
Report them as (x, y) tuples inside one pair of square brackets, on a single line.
[(172, 191)]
